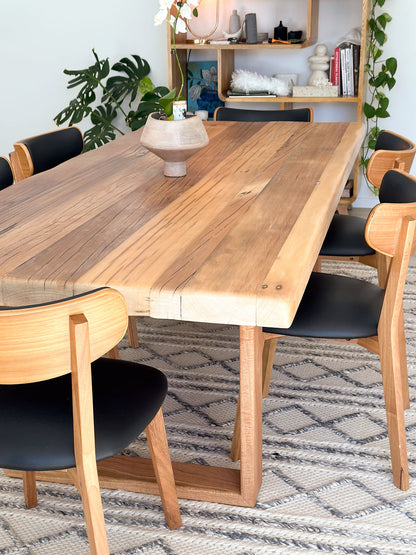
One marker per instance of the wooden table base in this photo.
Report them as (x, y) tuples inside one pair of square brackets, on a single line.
[(196, 482)]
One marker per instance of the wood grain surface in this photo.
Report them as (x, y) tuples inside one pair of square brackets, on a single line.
[(234, 241)]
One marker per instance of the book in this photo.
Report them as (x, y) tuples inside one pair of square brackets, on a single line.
[(254, 94), (343, 72), (349, 71), (356, 66), (336, 72)]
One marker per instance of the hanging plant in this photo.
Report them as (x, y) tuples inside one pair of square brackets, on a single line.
[(380, 80)]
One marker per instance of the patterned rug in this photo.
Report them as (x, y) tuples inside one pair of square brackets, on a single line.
[(327, 483)]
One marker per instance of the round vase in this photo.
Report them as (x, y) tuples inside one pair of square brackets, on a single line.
[(174, 141)]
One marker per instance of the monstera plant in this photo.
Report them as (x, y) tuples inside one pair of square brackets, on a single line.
[(127, 95)]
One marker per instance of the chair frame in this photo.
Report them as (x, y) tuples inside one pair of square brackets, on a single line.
[(391, 231), (21, 160), (380, 163), (97, 321)]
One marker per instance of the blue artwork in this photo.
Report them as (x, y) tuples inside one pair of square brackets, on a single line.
[(203, 87)]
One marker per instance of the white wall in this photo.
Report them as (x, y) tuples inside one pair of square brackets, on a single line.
[(39, 39)]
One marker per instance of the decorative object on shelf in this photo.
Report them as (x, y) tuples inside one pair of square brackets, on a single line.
[(294, 36), (203, 114), (319, 64), (202, 39), (174, 141), (320, 91), (262, 37), (381, 79), (203, 87), (290, 78), (251, 28), (235, 22), (280, 32), (249, 82)]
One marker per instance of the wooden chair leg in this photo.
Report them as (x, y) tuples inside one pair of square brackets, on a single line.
[(318, 265), (403, 363), (29, 488), (132, 332), (159, 450), (89, 489), (114, 353), (269, 349), (392, 385)]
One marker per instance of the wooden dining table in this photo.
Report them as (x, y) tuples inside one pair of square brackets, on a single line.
[(232, 242)]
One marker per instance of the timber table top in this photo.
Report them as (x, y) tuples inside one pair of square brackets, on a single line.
[(233, 242)]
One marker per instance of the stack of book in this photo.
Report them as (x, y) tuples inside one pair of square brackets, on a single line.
[(344, 68)]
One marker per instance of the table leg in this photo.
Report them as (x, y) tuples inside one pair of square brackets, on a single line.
[(194, 481)]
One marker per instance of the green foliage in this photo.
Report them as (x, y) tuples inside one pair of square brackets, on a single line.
[(131, 87), (380, 79)]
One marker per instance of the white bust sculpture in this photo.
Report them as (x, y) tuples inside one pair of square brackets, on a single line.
[(319, 66)]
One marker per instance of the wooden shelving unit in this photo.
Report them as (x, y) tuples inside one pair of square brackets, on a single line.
[(225, 55)]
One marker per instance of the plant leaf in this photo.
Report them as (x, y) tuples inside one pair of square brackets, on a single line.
[(122, 86)]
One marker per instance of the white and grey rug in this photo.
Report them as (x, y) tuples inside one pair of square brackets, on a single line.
[(327, 483)]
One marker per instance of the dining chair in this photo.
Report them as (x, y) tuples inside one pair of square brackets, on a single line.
[(63, 406), (43, 152), (6, 174), (223, 113), (338, 308), (345, 237)]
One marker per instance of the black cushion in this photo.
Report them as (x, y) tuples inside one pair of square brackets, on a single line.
[(36, 419), (6, 175), (51, 149), (336, 307), (397, 187), (345, 237), (390, 141), (234, 114)]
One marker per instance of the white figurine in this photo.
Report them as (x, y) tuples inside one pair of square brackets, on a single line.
[(319, 66)]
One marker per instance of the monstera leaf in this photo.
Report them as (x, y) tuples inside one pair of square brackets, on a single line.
[(151, 102), (134, 82), (102, 131)]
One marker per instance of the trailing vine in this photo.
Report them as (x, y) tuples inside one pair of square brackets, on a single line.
[(380, 78)]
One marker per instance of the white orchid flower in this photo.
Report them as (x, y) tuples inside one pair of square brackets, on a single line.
[(161, 16), (166, 4), (186, 11), (180, 24)]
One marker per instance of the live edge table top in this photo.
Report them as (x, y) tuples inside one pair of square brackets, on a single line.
[(232, 242)]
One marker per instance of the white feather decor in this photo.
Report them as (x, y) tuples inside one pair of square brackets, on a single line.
[(251, 82)]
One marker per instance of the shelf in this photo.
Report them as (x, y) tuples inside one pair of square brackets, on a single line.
[(287, 99), (238, 46), (226, 58)]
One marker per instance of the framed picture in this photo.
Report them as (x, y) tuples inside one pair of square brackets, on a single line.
[(203, 87)]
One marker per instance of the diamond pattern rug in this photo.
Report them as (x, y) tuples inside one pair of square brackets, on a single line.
[(327, 483)]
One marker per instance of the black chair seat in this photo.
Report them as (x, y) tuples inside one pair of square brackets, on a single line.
[(336, 307), (39, 434), (345, 237)]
